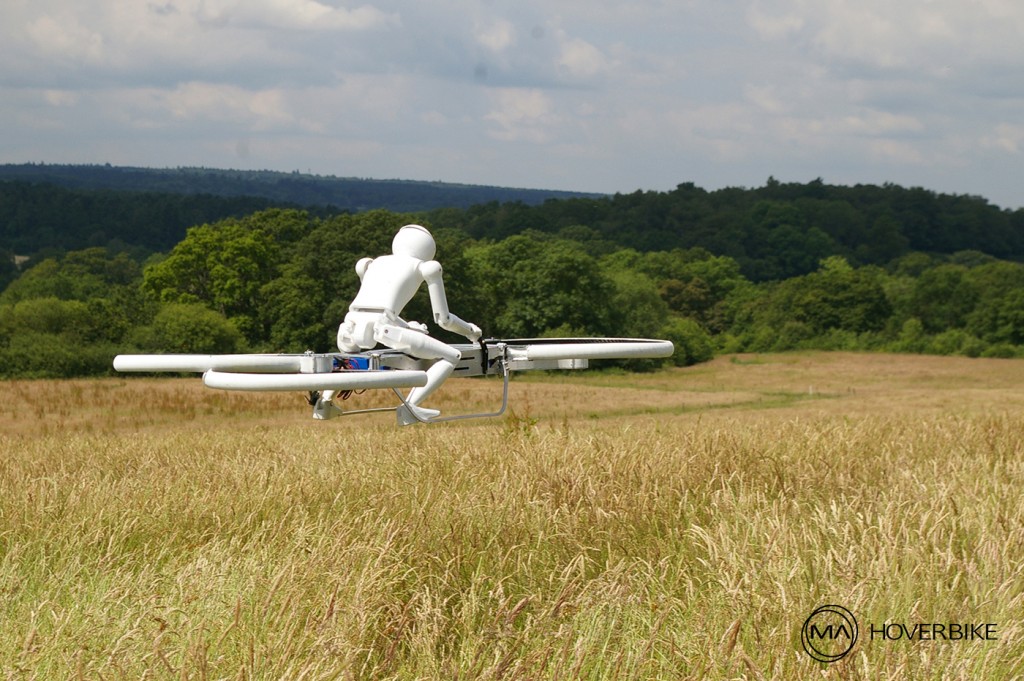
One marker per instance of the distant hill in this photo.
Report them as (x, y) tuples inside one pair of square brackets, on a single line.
[(42, 216), (342, 193), (774, 232)]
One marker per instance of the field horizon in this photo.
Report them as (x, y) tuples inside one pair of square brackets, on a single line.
[(678, 524)]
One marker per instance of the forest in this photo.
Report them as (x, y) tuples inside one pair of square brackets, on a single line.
[(780, 267), (350, 194)]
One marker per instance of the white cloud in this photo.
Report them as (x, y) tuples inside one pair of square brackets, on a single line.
[(765, 98), (498, 36), (878, 123), (581, 59), (660, 92), (65, 37), (256, 42), (1005, 137), (773, 25), (911, 34), (521, 115), (898, 152), (61, 98), (291, 14), (254, 110)]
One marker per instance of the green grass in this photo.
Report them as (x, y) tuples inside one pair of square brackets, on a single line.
[(545, 545)]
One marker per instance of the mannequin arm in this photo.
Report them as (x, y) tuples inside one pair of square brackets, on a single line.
[(362, 265), (431, 272)]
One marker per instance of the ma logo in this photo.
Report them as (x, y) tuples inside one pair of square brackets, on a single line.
[(829, 633)]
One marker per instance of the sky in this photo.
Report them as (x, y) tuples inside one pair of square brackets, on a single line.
[(584, 95)]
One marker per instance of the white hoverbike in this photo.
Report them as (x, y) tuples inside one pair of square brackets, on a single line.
[(409, 358)]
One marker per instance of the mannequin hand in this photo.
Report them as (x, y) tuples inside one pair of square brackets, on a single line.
[(416, 326), (474, 333)]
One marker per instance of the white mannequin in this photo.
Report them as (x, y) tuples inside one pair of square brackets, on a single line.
[(388, 284)]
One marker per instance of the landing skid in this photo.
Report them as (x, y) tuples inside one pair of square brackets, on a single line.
[(463, 417), (501, 365)]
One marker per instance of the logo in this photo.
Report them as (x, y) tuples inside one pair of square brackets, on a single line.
[(829, 633)]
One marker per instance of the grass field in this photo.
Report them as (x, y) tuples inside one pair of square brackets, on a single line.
[(682, 524)]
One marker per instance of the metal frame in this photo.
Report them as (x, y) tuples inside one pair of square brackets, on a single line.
[(441, 419), (387, 368)]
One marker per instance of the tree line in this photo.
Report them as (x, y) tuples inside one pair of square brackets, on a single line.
[(774, 232), (45, 219), (351, 194), (280, 280)]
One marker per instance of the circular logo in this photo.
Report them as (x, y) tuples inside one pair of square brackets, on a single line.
[(829, 633)]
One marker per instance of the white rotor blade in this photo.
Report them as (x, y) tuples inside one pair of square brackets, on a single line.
[(201, 363), (626, 348), (342, 380)]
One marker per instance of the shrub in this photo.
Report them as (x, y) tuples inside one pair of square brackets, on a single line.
[(693, 344), (189, 327)]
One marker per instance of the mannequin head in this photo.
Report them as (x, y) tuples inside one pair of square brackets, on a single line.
[(414, 241)]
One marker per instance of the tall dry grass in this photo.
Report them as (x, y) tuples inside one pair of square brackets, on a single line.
[(686, 536)]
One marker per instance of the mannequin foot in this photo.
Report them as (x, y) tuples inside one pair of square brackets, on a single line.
[(325, 409), (408, 414)]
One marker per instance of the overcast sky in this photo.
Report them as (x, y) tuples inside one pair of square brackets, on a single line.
[(591, 95)]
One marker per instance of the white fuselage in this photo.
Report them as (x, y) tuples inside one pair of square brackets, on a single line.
[(388, 284)]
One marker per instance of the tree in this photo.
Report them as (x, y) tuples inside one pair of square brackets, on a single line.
[(694, 283), (943, 297), (533, 284), (77, 275), (305, 304), (997, 314), (8, 270), (636, 308), (226, 266), (780, 243), (189, 328), (692, 343), (836, 298), (883, 242), (54, 316)]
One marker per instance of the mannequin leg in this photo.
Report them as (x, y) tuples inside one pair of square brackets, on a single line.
[(436, 375), (420, 345), (355, 333), (325, 408)]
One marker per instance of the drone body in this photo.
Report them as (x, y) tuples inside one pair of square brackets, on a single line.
[(384, 368), (410, 357)]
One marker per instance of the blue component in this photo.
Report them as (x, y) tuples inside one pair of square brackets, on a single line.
[(352, 363)]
